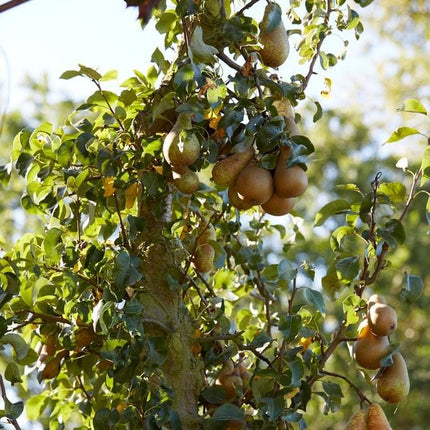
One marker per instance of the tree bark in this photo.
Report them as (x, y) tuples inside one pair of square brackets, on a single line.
[(182, 370)]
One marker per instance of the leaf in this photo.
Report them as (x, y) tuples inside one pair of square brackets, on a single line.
[(12, 373), (401, 133), (347, 268), (425, 166), (314, 297), (126, 271), (131, 195), (318, 114), (36, 405), (413, 106), (18, 343), (335, 207), (339, 234), (106, 418), (297, 371), (350, 305), (228, 412), (200, 51), (214, 394), (13, 410), (260, 340), (331, 284), (413, 290), (395, 191), (275, 406), (289, 325), (108, 186)]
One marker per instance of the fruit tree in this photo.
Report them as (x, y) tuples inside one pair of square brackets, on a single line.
[(155, 297)]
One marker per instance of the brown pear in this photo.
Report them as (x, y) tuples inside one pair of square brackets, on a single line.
[(185, 180), (382, 319), (236, 201), (370, 349), (278, 206), (273, 37), (254, 184), (204, 258), (376, 298), (289, 181), (357, 421), (225, 171), (376, 419), (393, 384), (180, 148)]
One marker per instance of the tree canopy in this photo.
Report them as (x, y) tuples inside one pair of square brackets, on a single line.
[(179, 279)]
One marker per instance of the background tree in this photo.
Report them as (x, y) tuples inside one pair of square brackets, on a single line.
[(131, 333)]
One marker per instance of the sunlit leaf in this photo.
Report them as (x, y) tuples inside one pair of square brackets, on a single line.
[(401, 133), (414, 106)]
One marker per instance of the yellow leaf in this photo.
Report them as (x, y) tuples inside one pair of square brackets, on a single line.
[(327, 91), (108, 186), (291, 393), (130, 195)]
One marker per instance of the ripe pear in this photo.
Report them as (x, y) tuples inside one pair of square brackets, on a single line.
[(225, 171), (291, 126), (393, 384), (229, 378), (254, 184), (181, 149), (376, 419), (357, 421), (85, 336), (376, 298), (236, 201), (278, 206), (273, 37), (289, 181), (370, 349), (204, 258), (284, 108), (382, 319), (185, 180)]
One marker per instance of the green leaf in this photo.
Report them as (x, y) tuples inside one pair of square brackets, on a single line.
[(347, 268), (395, 191), (214, 394), (106, 418), (18, 343), (275, 406), (413, 290), (425, 166), (36, 405), (69, 74), (414, 106), (319, 113), (13, 410), (314, 297), (110, 75), (401, 133), (350, 306), (289, 325), (335, 207), (339, 234), (126, 271), (297, 371), (228, 412), (260, 340), (331, 284), (12, 373), (287, 270)]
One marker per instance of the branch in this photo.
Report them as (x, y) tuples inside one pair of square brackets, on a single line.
[(11, 4), (5, 399), (247, 6)]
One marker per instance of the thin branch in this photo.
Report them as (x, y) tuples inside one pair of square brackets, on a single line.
[(247, 6), (81, 386), (360, 394), (229, 61), (11, 4), (5, 399), (123, 230)]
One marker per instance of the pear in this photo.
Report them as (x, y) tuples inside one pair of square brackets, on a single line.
[(185, 180), (180, 148), (376, 419), (225, 171), (236, 201), (289, 181), (370, 349), (382, 319), (206, 234), (376, 298), (204, 258), (393, 384), (254, 184), (229, 378), (278, 206), (284, 108), (357, 421), (273, 37), (291, 126)]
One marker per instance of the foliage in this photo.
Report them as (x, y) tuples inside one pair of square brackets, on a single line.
[(105, 304)]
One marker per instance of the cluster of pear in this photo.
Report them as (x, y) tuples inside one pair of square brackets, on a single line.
[(273, 37), (372, 419), (204, 252), (251, 185), (372, 345), (180, 150)]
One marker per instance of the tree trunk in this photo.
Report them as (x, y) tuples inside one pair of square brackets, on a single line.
[(164, 305)]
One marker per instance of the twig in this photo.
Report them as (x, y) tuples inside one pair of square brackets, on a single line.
[(5, 399), (360, 394), (247, 6), (229, 61), (123, 230), (81, 386), (11, 4)]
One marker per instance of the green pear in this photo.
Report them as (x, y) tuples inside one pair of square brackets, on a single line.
[(204, 258), (357, 421), (382, 319), (393, 384), (370, 349), (376, 419), (225, 171), (185, 180), (180, 148), (273, 37)]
